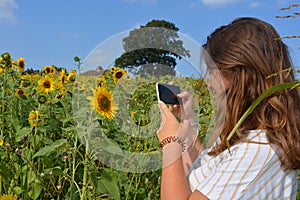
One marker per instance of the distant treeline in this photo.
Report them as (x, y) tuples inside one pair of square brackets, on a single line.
[(37, 71)]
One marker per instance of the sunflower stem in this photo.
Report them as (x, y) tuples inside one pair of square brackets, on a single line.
[(3, 106), (85, 170), (3, 121), (87, 157), (73, 168)]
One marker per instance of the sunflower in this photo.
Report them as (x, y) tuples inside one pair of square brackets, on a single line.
[(49, 70), (46, 84), (62, 77), (101, 80), (103, 103), (25, 83), (42, 99), (35, 118), (9, 64), (20, 64), (8, 197), (72, 75), (20, 93), (6, 55), (6, 58), (1, 70), (118, 74), (112, 68), (1, 142), (59, 96)]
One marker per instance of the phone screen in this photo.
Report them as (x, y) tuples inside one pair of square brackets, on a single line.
[(168, 93)]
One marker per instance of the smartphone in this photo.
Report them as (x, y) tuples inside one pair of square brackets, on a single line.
[(168, 93)]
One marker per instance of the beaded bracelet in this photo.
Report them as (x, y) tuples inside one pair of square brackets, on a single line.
[(173, 138)]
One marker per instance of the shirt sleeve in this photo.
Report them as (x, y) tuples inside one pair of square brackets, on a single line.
[(225, 176)]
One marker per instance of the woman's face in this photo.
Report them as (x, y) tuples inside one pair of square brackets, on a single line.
[(217, 83)]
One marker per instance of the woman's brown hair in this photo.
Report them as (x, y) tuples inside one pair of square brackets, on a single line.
[(250, 55)]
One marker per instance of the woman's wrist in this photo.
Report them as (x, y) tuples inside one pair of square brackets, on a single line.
[(173, 139), (171, 153)]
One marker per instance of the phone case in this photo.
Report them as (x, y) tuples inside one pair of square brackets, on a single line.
[(168, 93)]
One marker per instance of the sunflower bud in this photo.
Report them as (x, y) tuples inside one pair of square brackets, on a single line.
[(76, 59)]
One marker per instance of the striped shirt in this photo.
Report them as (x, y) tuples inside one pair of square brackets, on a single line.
[(252, 171)]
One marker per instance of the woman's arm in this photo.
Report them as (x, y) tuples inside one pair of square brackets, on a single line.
[(191, 155), (182, 112), (174, 183)]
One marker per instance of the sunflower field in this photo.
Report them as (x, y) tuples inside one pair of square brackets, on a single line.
[(58, 130), (67, 136)]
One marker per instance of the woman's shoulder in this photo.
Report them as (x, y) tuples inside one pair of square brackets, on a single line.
[(252, 164), (255, 145)]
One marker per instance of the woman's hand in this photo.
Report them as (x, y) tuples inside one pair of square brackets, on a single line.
[(187, 107), (169, 124), (185, 113)]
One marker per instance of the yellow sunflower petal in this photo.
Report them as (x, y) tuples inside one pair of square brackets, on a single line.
[(47, 84), (34, 118), (103, 103), (7, 197), (118, 74), (20, 64)]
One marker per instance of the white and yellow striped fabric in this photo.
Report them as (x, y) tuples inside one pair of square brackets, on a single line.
[(252, 171)]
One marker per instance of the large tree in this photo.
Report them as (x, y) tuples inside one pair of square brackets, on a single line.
[(152, 49)]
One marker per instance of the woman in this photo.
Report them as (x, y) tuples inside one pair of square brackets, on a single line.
[(265, 151)]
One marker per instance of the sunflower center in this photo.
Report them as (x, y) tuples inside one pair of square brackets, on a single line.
[(58, 96), (20, 92), (119, 75), (42, 99), (47, 84), (21, 64), (104, 103)]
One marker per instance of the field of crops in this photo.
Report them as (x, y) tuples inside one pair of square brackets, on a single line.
[(67, 136), (64, 136)]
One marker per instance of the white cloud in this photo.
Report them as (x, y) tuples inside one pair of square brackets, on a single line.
[(7, 8), (218, 2), (255, 4), (193, 4)]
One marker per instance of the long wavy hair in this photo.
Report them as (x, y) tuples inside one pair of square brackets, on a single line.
[(249, 54)]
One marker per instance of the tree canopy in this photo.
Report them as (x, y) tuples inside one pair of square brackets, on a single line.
[(152, 49)]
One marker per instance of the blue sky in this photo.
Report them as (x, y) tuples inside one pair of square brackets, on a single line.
[(52, 32)]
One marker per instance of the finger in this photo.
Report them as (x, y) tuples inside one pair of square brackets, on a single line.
[(184, 95), (183, 129), (160, 106), (162, 117), (164, 109), (175, 109)]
